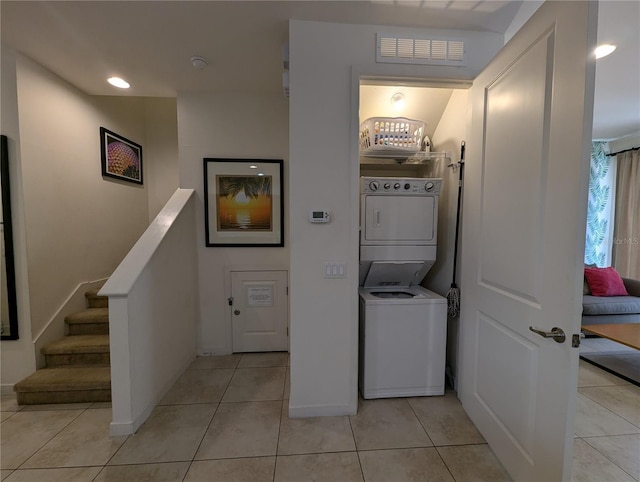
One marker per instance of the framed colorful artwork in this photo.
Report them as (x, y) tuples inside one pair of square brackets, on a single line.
[(243, 200), (121, 158)]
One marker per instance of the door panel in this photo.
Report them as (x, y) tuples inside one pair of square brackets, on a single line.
[(520, 119), (260, 311), (522, 239)]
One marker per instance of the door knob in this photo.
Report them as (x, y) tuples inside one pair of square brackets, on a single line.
[(236, 312), (556, 333)]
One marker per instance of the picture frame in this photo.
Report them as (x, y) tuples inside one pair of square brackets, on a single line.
[(121, 157), (244, 202), (9, 319)]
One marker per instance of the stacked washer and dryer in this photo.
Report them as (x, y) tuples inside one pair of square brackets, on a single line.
[(403, 326)]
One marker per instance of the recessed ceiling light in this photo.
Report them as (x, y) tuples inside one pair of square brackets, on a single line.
[(118, 82), (253, 166), (604, 50)]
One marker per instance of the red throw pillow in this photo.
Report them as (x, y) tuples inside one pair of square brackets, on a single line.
[(605, 282)]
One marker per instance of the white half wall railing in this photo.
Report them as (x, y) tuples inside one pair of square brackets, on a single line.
[(153, 311)]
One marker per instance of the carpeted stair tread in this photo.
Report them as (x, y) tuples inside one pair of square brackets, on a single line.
[(96, 301), (90, 315), (66, 379), (78, 344)]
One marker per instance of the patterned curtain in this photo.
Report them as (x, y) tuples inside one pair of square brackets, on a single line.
[(626, 245), (600, 208)]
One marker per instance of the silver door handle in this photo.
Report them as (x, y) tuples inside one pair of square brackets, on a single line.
[(556, 333)]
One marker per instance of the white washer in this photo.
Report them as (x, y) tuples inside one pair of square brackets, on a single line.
[(403, 333)]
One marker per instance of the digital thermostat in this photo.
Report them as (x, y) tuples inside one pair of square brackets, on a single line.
[(319, 216)]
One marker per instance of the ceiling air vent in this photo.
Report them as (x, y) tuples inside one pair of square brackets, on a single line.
[(418, 50)]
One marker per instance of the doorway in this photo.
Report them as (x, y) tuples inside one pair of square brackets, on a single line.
[(258, 310)]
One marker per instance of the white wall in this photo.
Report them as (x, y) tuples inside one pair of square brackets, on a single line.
[(228, 125), (18, 356), (451, 131), (160, 159), (79, 226), (324, 173), (73, 226), (153, 311)]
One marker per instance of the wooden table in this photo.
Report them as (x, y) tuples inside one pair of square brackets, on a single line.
[(625, 333)]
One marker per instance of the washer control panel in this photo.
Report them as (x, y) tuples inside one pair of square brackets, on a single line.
[(394, 185)]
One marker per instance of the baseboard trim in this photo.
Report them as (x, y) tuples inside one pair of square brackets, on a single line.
[(321, 411), (120, 429), (7, 389)]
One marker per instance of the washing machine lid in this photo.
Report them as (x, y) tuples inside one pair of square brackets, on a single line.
[(394, 274)]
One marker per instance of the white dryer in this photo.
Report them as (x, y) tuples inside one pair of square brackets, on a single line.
[(398, 222)]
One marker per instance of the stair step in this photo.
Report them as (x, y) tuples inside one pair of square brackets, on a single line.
[(92, 321), (96, 301), (77, 350), (65, 385)]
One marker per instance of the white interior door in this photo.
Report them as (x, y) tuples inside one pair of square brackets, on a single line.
[(259, 313), (523, 236)]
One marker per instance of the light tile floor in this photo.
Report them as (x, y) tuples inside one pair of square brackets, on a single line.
[(226, 420)]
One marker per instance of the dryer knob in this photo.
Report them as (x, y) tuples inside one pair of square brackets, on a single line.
[(396, 185), (407, 186), (373, 185), (429, 186), (387, 185)]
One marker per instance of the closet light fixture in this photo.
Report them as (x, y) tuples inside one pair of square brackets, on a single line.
[(397, 101), (604, 50), (118, 82)]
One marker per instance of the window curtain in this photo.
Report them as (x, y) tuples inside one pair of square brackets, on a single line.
[(626, 239), (599, 233)]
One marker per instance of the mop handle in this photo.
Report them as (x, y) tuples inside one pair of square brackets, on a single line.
[(455, 249)]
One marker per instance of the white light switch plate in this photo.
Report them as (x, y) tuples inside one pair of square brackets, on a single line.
[(335, 270)]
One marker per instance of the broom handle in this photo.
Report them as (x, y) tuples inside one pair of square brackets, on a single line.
[(455, 248)]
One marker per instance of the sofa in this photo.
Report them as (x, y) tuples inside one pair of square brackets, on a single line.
[(612, 309)]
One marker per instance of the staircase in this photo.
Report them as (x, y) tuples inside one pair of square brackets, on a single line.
[(76, 366)]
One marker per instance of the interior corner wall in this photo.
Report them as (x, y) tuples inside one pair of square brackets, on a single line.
[(78, 225), (323, 116), (527, 9), (18, 356), (230, 126), (160, 158), (451, 131)]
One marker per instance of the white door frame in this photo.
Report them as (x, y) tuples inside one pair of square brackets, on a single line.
[(228, 322)]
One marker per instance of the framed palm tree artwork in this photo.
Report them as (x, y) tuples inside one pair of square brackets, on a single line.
[(243, 202)]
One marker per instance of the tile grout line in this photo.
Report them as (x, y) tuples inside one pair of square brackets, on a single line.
[(607, 408), (606, 457), (52, 437), (421, 424), (444, 462), (355, 444), (275, 457)]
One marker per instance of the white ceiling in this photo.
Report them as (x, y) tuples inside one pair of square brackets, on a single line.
[(150, 43)]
